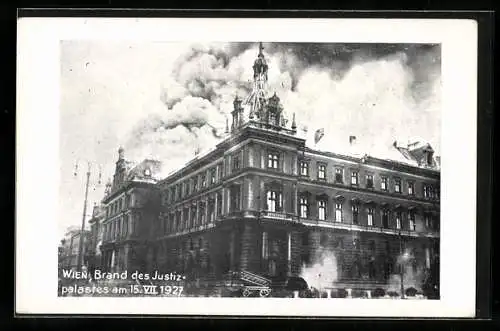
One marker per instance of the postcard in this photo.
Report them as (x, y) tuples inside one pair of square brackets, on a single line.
[(250, 167)]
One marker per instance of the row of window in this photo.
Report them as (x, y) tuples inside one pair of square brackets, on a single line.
[(188, 217), (119, 228), (193, 184), (275, 204), (429, 191), (119, 205)]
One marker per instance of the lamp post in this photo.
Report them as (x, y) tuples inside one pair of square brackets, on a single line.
[(81, 241)]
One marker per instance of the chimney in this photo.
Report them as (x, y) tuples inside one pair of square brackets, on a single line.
[(352, 140)]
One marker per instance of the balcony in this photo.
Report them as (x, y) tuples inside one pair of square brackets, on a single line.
[(366, 228), (273, 215)]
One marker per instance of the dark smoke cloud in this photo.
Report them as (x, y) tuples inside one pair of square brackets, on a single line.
[(315, 81)]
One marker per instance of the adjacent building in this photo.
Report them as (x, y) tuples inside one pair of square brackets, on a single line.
[(130, 209), (96, 236), (69, 248)]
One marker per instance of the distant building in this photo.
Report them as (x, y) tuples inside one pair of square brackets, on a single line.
[(130, 209), (264, 202), (95, 242), (69, 248)]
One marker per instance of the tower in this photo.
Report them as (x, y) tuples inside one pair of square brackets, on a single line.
[(237, 113), (256, 99), (120, 169)]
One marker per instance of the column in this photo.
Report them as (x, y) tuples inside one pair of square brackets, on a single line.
[(226, 201), (181, 220), (295, 199), (249, 245), (289, 253), (197, 217), (125, 257), (216, 201), (251, 149), (206, 210)]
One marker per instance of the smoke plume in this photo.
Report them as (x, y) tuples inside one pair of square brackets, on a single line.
[(377, 92), (322, 273)]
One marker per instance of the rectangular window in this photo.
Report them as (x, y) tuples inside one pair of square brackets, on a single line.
[(398, 220), (273, 201), (273, 161), (193, 216), (235, 198), (426, 191), (427, 219), (411, 220), (411, 188), (354, 178), (369, 181), (339, 175), (355, 212), (304, 207), (219, 204), (370, 216), (321, 171), (383, 183), (385, 219), (338, 212), (125, 225), (178, 219), (221, 171), (213, 172), (236, 162), (203, 180), (322, 210), (195, 184), (304, 168), (211, 210), (397, 185), (201, 213)]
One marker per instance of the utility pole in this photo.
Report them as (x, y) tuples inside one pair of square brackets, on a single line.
[(81, 241), (80, 246)]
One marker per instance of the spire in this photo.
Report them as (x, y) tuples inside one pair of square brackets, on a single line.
[(257, 97), (121, 153), (261, 48), (294, 125)]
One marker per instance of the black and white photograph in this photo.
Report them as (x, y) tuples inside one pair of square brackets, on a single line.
[(307, 171)]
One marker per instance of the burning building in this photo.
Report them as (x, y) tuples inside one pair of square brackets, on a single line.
[(265, 202)]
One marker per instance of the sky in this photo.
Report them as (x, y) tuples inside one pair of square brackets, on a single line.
[(164, 100)]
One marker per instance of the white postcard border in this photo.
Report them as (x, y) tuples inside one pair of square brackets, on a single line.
[(37, 169)]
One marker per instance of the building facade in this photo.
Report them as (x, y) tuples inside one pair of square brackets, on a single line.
[(96, 236), (262, 201), (130, 208), (69, 248)]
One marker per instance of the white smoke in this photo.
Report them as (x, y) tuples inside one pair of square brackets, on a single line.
[(378, 100), (322, 273)]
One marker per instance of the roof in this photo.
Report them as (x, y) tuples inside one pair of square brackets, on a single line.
[(412, 154)]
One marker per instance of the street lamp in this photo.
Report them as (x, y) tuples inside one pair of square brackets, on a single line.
[(80, 246)]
